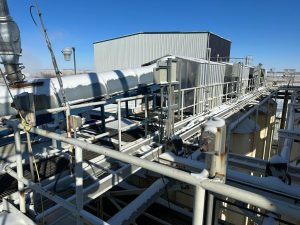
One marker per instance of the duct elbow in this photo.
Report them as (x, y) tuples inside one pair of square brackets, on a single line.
[(10, 45)]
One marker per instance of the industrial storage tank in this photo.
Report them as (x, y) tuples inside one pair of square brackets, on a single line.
[(242, 140), (266, 120), (295, 153)]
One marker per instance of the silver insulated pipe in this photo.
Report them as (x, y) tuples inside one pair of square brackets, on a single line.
[(10, 45)]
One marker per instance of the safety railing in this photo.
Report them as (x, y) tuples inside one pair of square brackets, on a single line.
[(197, 100), (213, 186), (119, 113)]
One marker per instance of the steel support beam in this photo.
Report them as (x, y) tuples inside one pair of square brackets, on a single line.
[(100, 186), (218, 188), (68, 206), (289, 134), (18, 152), (128, 214)]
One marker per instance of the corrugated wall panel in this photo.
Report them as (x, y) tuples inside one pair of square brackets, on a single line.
[(133, 51)]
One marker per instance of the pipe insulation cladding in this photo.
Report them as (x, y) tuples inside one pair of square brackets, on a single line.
[(10, 45), (78, 88)]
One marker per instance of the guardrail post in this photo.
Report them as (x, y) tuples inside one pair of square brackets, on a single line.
[(119, 126), (199, 202), (79, 182), (102, 118), (146, 116), (214, 137), (194, 102), (182, 104), (18, 153)]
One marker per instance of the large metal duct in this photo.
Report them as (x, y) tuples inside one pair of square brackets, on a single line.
[(10, 45), (78, 88)]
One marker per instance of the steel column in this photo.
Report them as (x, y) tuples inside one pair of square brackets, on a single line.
[(119, 126), (146, 116), (18, 153), (218, 188), (199, 203), (79, 182)]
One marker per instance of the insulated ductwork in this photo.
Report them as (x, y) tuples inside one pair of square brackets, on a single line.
[(78, 88), (10, 45)]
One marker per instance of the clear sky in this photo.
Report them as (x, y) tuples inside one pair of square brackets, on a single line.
[(269, 30)]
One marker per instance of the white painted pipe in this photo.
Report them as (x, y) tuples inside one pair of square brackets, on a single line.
[(267, 203), (79, 182), (69, 206), (18, 153), (92, 86), (199, 204)]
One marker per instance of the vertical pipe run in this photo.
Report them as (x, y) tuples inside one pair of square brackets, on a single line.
[(206, 80), (267, 125), (18, 152), (198, 99), (161, 130), (68, 114), (79, 182), (199, 202), (284, 109), (146, 116), (154, 101), (215, 128), (102, 118), (169, 123), (288, 142), (226, 93), (126, 109), (194, 103), (74, 60), (119, 126), (172, 112), (256, 134), (210, 209), (182, 104)]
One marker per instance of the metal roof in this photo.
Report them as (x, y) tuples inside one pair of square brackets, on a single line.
[(181, 57), (162, 32)]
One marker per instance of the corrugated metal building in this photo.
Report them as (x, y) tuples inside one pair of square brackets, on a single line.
[(133, 50)]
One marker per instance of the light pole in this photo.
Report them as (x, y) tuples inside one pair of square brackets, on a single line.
[(67, 52)]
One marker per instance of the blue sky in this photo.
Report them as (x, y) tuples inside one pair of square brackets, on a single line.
[(269, 30)]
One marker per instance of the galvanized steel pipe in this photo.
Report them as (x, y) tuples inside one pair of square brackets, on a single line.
[(218, 188), (69, 206), (18, 153)]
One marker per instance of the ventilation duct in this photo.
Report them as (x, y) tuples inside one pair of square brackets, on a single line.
[(10, 45)]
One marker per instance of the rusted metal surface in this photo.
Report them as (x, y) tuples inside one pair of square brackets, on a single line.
[(26, 84)]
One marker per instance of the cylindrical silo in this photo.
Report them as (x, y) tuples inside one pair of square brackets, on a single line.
[(242, 138), (295, 153), (266, 120)]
